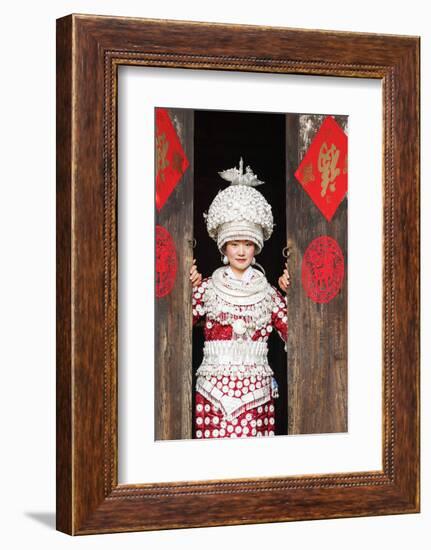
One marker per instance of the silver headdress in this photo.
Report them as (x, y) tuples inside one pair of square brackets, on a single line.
[(240, 212)]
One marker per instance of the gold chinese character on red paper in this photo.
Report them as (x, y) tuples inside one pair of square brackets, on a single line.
[(161, 155), (327, 166), (323, 170)]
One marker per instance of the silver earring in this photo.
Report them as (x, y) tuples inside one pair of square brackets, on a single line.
[(225, 260), (253, 261)]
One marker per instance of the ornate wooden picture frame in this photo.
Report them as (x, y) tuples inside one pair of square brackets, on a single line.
[(90, 50)]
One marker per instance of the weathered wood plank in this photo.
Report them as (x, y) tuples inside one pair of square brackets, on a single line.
[(317, 347), (173, 315)]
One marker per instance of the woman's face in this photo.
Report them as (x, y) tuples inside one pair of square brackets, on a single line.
[(240, 254)]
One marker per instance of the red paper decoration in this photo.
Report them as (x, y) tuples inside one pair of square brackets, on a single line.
[(171, 161), (322, 269), (323, 171)]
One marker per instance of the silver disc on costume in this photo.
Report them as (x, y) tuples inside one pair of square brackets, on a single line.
[(239, 326)]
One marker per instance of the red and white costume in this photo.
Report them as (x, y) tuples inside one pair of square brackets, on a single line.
[(235, 387)]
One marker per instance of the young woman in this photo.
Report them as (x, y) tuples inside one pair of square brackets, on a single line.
[(235, 387)]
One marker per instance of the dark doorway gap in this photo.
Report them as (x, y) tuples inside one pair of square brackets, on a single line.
[(221, 138)]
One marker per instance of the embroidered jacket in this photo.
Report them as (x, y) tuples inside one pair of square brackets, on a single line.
[(236, 332), (216, 329)]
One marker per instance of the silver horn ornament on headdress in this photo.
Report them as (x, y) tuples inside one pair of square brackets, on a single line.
[(237, 177)]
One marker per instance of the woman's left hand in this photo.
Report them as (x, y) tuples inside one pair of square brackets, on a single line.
[(284, 280)]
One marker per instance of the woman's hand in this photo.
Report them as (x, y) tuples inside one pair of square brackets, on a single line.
[(195, 276), (284, 280)]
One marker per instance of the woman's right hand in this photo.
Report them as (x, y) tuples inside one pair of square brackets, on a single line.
[(195, 276), (284, 280)]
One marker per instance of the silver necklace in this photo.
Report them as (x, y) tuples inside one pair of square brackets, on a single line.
[(238, 293)]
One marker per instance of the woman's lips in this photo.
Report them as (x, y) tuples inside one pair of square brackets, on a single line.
[(241, 260)]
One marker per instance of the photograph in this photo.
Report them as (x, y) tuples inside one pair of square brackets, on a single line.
[(259, 317)]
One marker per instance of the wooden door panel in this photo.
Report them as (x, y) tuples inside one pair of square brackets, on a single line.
[(317, 345), (173, 314)]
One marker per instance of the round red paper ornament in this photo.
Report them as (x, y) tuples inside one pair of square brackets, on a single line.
[(323, 269)]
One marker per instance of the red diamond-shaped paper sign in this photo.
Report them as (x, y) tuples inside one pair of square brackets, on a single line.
[(171, 161), (323, 171)]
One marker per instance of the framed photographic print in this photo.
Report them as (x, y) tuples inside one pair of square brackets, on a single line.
[(237, 274)]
